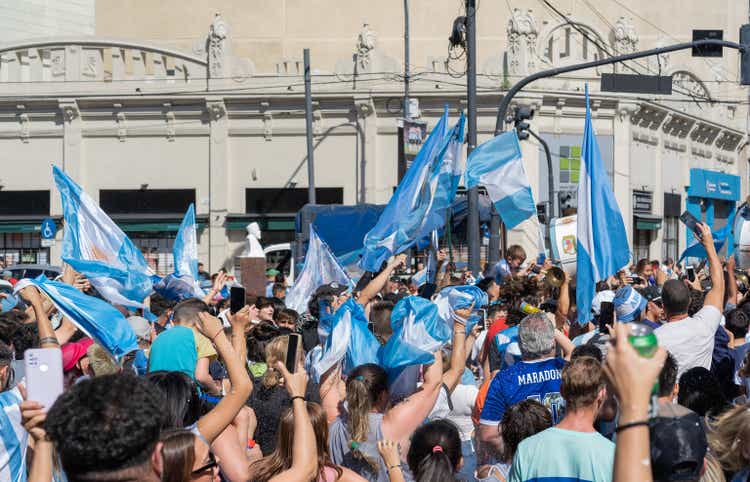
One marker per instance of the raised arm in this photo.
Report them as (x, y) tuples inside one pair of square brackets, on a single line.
[(215, 421), (731, 286), (377, 284), (240, 321), (219, 283), (453, 375), (715, 296), (563, 304), (47, 338), (400, 421), (304, 448), (564, 343)]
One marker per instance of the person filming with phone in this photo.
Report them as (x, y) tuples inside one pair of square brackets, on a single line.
[(690, 339)]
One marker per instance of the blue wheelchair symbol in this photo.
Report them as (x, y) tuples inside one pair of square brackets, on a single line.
[(48, 229)]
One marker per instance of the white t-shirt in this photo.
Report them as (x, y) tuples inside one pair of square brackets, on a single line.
[(691, 340)]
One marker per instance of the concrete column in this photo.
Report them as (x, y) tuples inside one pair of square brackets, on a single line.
[(368, 121), (657, 208), (622, 131), (218, 173)]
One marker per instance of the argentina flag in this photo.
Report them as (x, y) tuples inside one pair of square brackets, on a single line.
[(602, 240), (498, 166), (96, 247), (321, 268), (350, 342), (418, 332), (183, 284), (13, 437), (458, 298), (96, 318), (403, 220), (696, 249)]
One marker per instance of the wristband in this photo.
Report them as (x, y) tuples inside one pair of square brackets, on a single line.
[(251, 443), (394, 467), (213, 338), (626, 426), (49, 339), (296, 397)]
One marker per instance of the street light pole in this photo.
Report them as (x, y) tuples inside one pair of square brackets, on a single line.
[(550, 185), (309, 130), (472, 223), (407, 113)]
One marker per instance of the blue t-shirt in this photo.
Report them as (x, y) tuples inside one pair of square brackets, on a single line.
[(557, 455), (501, 271), (174, 350), (140, 363), (538, 379)]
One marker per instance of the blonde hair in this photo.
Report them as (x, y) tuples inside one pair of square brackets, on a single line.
[(100, 362), (275, 352), (728, 435)]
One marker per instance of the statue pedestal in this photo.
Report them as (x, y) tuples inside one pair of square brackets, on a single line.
[(253, 275)]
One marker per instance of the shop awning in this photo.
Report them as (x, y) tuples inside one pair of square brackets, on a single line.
[(647, 222), (155, 223), (24, 224), (267, 222)]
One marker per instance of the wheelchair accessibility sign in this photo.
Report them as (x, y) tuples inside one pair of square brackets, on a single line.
[(48, 228)]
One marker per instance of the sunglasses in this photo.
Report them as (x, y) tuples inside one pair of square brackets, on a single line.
[(209, 466)]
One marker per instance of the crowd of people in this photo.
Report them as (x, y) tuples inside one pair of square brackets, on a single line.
[(527, 394)]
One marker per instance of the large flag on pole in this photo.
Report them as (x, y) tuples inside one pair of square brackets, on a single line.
[(96, 247), (97, 318), (403, 220), (321, 267), (183, 284), (602, 240), (498, 166)]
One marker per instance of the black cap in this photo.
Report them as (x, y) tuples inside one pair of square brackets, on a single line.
[(678, 447), (331, 289), (650, 293)]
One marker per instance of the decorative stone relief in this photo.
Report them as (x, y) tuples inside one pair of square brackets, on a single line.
[(23, 124), (678, 126), (169, 118), (120, 120), (625, 38), (267, 120), (70, 111), (366, 41), (90, 61), (689, 83), (522, 38), (57, 63), (218, 47), (216, 110)]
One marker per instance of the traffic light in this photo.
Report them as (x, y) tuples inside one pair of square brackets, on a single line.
[(521, 116), (745, 55)]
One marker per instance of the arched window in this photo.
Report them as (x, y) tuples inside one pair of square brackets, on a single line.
[(565, 44)]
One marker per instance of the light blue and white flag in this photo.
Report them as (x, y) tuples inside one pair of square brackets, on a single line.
[(95, 246), (602, 240), (350, 342), (457, 298), (184, 283), (498, 166), (321, 268), (418, 332), (444, 178), (13, 438), (696, 249), (429, 272), (404, 219), (96, 318)]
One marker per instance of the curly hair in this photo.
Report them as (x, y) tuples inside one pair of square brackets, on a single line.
[(25, 337), (106, 424)]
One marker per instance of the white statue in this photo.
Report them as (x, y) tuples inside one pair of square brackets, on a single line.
[(253, 248), (218, 47), (365, 45), (625, 36)]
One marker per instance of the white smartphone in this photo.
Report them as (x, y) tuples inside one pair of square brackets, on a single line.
[(44, 375)]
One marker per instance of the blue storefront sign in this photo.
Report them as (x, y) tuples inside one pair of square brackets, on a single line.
[(713, 185), (710, 192)]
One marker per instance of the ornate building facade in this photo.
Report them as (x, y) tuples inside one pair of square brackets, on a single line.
[(166, 105)]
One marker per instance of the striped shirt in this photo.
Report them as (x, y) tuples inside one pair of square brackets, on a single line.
[(13, 437)]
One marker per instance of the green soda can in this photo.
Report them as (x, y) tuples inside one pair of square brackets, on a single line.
[(643, 339)]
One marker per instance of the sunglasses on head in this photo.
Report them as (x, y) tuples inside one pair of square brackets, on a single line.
[(209, 466)]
